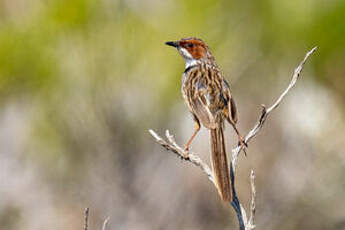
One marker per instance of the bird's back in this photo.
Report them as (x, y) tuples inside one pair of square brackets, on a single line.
[(204, 91)]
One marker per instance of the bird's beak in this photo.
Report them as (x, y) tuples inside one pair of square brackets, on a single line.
[(173, 44)]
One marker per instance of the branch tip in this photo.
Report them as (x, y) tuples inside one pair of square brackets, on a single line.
[(105, 223)]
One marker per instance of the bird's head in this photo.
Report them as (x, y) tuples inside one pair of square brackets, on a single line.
[(193, 50)]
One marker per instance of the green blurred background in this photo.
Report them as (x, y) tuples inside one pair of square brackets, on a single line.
[(82, 81)]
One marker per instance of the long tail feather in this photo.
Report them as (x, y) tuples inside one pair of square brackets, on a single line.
[(220, 163)]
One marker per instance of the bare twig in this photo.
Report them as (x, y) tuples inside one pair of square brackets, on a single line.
[(180, 152), (86, 222), (244, 222), (104, 227), (265, 112), (86, 214), (240, 211), (250, 224)]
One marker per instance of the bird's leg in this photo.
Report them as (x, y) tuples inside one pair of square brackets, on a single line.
[(197, 128), (241, 140)]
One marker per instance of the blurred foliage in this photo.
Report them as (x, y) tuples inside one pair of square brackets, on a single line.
[(122, 33), (91, 77)]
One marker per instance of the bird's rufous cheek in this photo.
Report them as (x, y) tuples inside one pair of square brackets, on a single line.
[(198, 52)]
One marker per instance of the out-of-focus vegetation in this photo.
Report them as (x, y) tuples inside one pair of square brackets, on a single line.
[(82, 81)]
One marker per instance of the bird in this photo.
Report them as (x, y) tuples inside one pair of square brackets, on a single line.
[(207, 95)]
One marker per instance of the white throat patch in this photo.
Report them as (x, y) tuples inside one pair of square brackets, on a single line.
[(191, 62)]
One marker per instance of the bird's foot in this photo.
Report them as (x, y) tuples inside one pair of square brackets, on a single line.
[(186, 152)]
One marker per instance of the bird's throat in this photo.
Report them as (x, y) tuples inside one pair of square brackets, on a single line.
[(191, 62)]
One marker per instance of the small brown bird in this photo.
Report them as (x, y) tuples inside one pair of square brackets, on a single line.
[(207, 96)]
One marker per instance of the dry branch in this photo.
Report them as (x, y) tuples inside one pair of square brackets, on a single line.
[(86, 216), (244, 222), (105, 223), (86, 220), (180, 152), (252, 203), (265, 112)]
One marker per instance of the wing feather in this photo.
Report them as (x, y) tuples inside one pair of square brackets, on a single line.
[(231, 105), (200, 104)]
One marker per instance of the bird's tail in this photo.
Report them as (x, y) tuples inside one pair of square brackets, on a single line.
[(220, 163)]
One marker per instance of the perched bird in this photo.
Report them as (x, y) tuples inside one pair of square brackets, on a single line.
[(207, 96)]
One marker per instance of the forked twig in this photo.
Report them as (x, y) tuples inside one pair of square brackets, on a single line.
[(181, 153), (243, 222), (265, 112)]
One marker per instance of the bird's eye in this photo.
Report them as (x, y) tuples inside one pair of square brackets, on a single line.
[(190, 45)]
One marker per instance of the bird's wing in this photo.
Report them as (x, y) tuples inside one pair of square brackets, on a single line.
[(202, 103), (233, 110), (231, 105)]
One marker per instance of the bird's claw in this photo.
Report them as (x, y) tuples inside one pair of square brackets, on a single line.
[(186, 153)]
